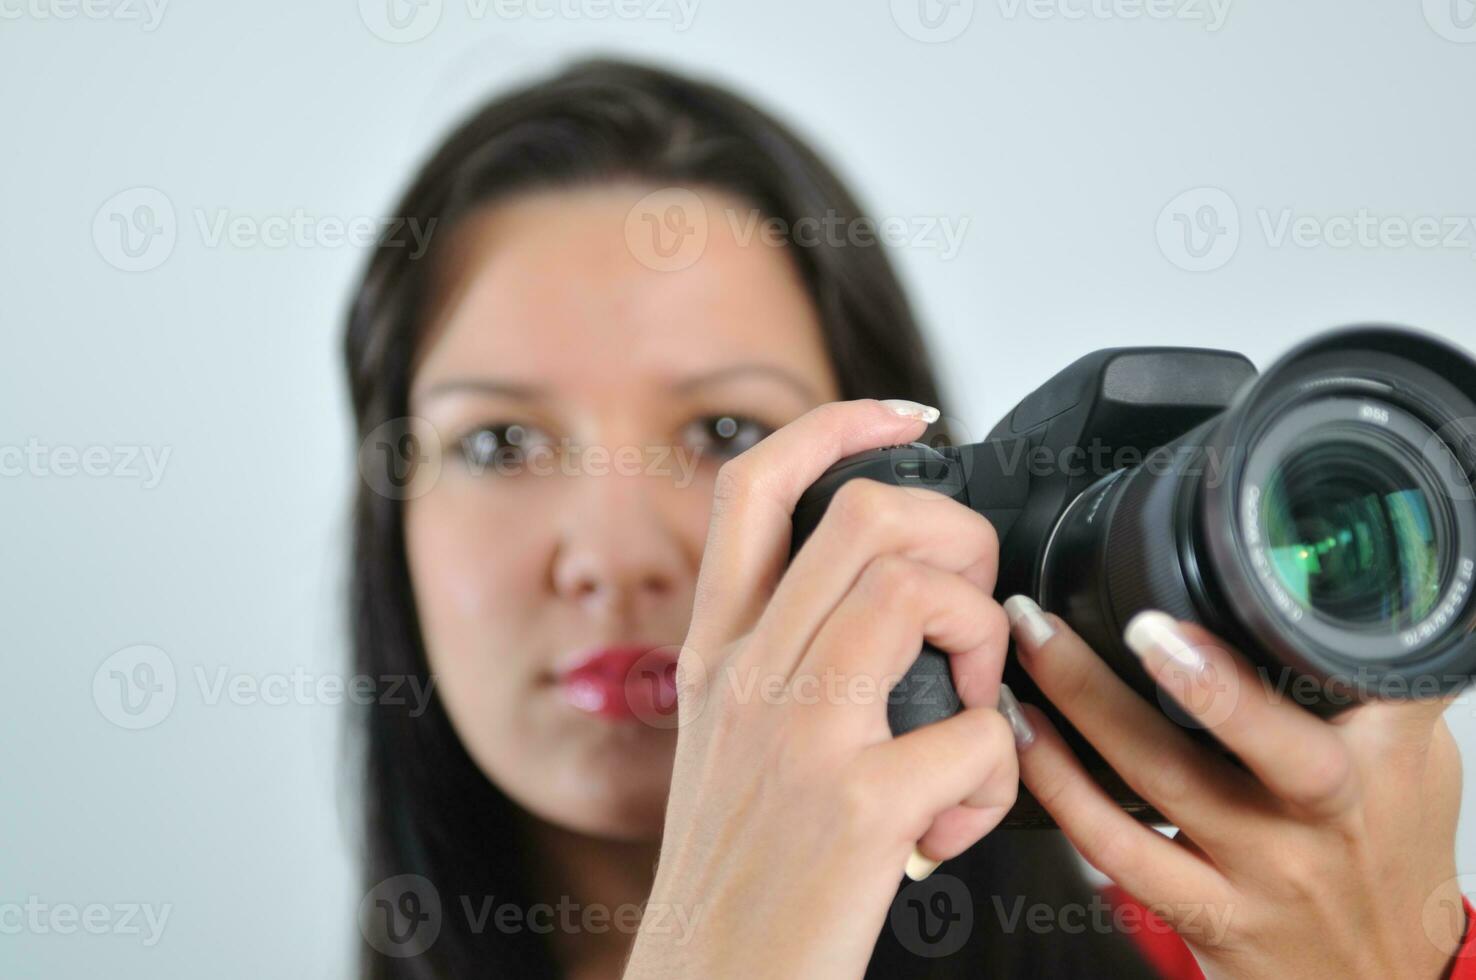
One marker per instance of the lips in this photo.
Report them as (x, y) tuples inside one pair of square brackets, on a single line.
[(622, 683)]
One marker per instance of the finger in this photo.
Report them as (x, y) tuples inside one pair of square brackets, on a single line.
[(1299, 757), (895, 606), (1192, 785), (867, 519), (968, 759), (1150, 866), (960, 827), (753, 502)]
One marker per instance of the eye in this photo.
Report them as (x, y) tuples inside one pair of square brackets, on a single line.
[(724, 436), (502, 446)]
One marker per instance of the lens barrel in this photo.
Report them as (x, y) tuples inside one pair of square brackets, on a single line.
[(1325, 524)]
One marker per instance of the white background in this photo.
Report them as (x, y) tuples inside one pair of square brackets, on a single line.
[(1060, 132)]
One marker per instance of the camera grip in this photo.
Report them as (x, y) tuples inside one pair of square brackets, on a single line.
[(925, 694)]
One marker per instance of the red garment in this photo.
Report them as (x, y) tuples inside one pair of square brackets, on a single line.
[(1167, 954)]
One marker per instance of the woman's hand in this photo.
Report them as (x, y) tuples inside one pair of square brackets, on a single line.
[(1333, 856), (792, 809)]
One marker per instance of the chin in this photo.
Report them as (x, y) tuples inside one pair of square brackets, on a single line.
[(614, 796), (623, 799)]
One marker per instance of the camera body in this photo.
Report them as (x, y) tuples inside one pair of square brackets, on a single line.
[(1143, 478)]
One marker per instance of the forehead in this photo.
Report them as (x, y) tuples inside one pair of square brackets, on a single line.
[(548, 285)]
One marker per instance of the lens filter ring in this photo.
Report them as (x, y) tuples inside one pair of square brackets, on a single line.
[(1347, 545)]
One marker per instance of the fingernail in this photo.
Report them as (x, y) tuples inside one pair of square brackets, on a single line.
[(1155, 637), (912, 410), (919, 865), (1010, 708), (1027, 620)]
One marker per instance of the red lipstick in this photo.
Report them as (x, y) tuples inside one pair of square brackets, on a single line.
[(623, 683)]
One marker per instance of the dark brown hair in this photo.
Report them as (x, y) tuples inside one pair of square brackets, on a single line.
[(428, 809)]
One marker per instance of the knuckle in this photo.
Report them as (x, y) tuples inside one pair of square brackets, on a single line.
[(1329, 779), (892, 583), (858, 507), (833, 416), (999, 765), (995, 620), (1050, 789), (1107, 851), (1297, 876), (734, 481), (988, 534), (1005, 793), (1071, 679), (995, 734), (1168, 782)]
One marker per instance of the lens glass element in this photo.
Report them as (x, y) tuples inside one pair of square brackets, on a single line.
[(1355, 532)]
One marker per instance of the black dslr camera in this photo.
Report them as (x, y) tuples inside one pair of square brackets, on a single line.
[(1321, 517)]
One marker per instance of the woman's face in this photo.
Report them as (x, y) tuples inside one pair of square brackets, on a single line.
[(584, 402)]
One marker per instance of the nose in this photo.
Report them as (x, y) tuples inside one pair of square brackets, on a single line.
[(617, 553)]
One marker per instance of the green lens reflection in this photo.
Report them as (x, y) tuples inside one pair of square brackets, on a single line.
[(1353, 535)]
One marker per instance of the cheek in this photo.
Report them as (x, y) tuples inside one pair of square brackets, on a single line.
[(477, 565)]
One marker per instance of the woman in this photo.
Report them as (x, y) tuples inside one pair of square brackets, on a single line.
[(596, 291)]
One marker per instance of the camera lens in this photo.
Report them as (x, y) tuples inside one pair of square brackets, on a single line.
[(1356, 533), (1325, 524)]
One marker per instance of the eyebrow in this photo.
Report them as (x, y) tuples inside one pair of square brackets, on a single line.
[(512, 389)]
